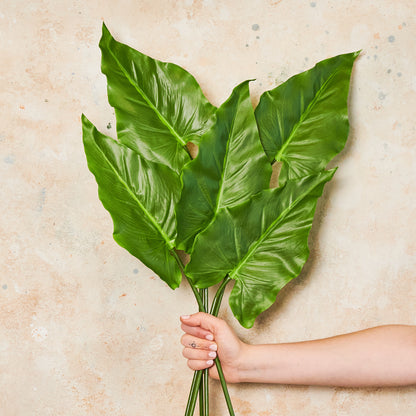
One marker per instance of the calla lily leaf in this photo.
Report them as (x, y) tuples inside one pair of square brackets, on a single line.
[(159, 106), (140, 196), (231, 166), (303, 122), (262, 244)]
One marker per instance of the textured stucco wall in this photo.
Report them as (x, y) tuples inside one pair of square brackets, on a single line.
[(85, 329)]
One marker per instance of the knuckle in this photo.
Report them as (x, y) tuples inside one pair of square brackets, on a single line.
[(220, 323), (203, 316)]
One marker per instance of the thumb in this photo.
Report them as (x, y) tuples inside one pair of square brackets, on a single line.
[(204, 320)]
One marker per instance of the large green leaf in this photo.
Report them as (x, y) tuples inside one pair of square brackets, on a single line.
[(303, 123), (231, 166), (159, 106), (140, 196), (262, 244)]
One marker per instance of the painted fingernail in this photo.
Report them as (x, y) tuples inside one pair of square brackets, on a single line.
[(209, 337), (210, 362), (212, 354), (213, 347), (185, 316)]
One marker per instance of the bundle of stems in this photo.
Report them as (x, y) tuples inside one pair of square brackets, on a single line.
[(200, 381)]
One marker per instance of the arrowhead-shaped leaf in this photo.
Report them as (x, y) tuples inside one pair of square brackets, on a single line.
[(262, 244), (303, 123), (159, 106), (140, 196), (231, 166)]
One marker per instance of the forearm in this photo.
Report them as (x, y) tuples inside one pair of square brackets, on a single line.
[(381, 356)]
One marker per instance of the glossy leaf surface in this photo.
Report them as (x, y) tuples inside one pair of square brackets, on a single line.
[(230, 167), (303, 123), (227, 219), (262, 244), (140, 196), (159, 106)]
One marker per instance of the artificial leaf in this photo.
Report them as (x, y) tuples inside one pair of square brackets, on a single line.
[(303, 122), (140, 196), (262, 244), (231, 225), (230, 167), (159, 106)]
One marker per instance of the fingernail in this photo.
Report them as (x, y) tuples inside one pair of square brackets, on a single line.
[(209, 337), (213, 347), (210, 362), (212, 354), (185, 316)]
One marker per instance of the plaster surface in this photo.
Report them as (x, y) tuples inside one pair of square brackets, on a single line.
[(85, 328)]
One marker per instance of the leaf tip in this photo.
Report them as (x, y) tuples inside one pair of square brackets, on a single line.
[(105, 36), (246, 322), (86, 123), (354, 55), (174, 285), (243, 85), (104, 29), (332, 171)]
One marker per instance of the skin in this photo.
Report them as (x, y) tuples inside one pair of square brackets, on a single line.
[(381, 356)]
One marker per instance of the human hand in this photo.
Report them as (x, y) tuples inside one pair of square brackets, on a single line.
[(206, 337)]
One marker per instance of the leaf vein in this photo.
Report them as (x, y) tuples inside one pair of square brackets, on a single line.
[(148, 101), (279, 156), (141, 206)]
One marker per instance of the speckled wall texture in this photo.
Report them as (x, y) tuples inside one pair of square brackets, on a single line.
[(85, 329)]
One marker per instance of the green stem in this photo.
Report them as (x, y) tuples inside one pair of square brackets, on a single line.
[(194, 289), (224, 387), (196, 381), (216, 303), (201, 386), (204, 388), (201, 395)]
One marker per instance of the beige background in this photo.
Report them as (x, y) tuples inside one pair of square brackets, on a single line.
[(85, 329)]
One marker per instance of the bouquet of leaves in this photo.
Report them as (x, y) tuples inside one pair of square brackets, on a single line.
[(217, 207)]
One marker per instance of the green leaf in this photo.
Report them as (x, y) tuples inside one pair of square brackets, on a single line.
[(140, 196), (231, 166), (303, 123), (159, 106), (262, 244)]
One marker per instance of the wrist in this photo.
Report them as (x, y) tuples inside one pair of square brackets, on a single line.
[(248, 364), (262, 364)]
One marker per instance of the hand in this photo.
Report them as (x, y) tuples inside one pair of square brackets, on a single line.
[(206, 337)]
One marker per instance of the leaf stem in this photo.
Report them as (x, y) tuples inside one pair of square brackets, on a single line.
[(224, 387), (215, 307), (216, 303), (196, 381), (204, 387), (194, 289)]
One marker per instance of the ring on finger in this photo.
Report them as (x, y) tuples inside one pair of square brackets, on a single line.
[(193, 344)]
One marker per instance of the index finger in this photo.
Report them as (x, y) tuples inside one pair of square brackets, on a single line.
[(204, 320), (197, 331)]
